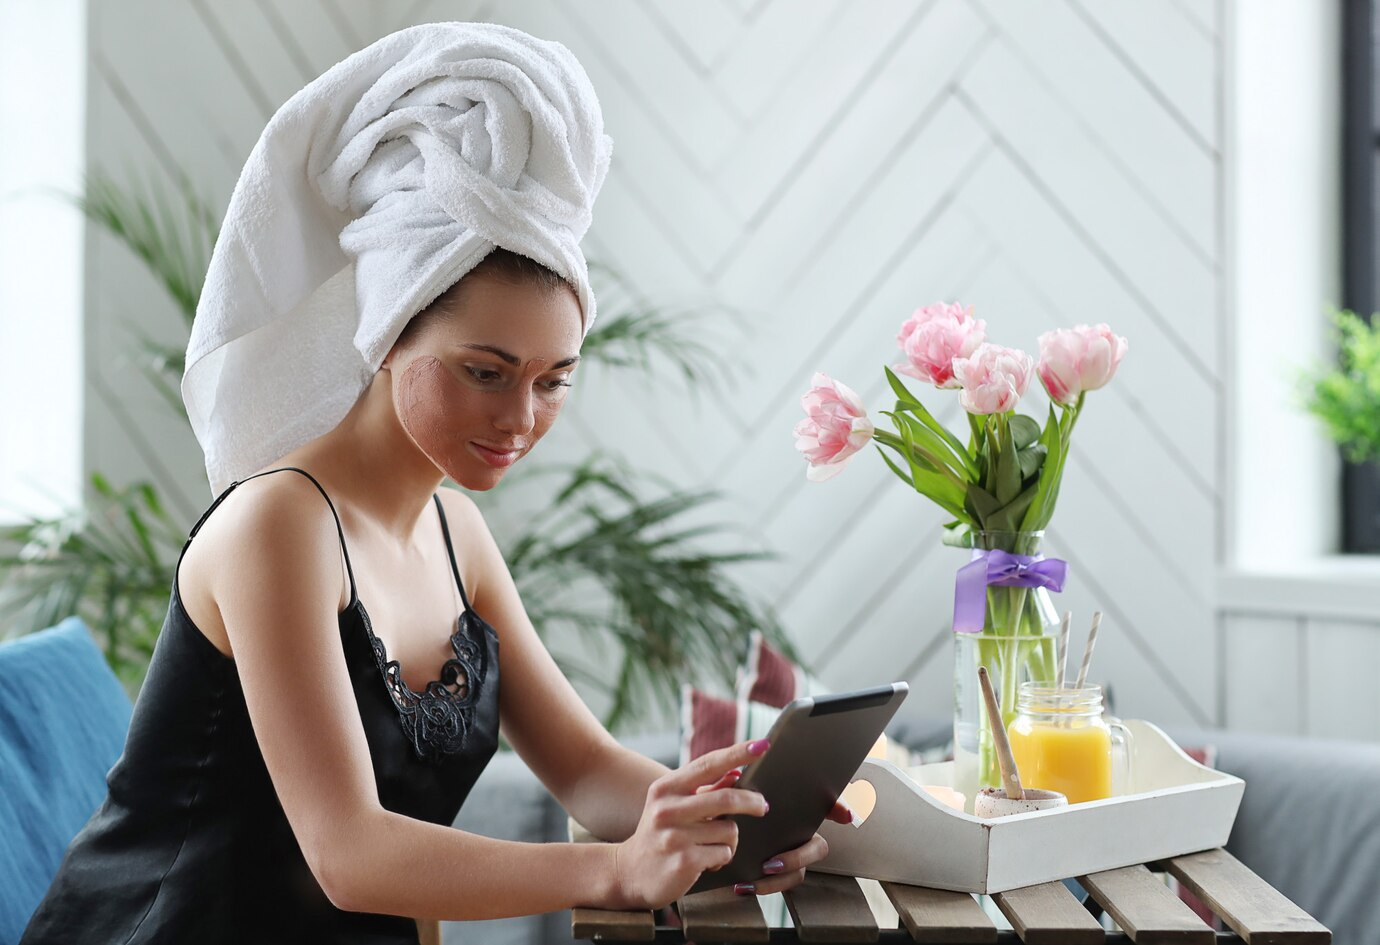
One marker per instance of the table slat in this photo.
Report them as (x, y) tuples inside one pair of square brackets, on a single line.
[(1048, 914), (721, 915), (830, 908), (937, 915), (1255, 910), (1146, 909), (613, 925)]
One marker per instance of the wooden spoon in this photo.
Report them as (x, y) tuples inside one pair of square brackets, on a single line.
[(1005, 759)]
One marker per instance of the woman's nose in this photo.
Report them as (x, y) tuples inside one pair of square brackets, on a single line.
[(517, 416)]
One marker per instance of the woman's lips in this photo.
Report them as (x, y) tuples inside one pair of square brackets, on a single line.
[(495, 458)]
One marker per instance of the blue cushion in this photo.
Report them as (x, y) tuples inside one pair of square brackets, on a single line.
[(63, 720)]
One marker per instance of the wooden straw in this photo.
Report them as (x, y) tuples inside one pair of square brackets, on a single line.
[(1005, 759), (1087, 653), (1063, 654)]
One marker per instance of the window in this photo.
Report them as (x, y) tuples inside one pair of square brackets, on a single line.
[(41, 256), (1360, 154)]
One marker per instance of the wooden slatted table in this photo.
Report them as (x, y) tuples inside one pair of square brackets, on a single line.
[(833, 909)]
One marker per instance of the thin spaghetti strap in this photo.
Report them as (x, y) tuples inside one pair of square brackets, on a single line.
[(338, 528), (450, 550)]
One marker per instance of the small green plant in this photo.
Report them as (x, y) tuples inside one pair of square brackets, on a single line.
[(1346, 396)]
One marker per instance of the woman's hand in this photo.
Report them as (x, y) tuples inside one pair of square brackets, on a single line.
[(679, 837), (788, 869)]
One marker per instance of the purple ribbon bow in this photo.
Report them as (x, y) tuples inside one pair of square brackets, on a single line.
[(999, 569)]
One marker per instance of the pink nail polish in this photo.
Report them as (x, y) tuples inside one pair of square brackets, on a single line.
[(773, 866), (757, 747), (744, 889)]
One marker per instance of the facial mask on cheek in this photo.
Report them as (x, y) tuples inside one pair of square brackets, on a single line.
[(429, 396)]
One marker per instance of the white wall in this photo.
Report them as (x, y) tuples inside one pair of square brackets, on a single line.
[(820, 169)]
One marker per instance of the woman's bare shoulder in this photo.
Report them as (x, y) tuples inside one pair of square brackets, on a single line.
[(281, 518)]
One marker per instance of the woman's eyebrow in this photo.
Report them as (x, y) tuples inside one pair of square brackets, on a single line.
[(513, 359)]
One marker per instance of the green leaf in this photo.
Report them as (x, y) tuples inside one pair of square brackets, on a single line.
[(958, 535), (1008, 518), (1345, 396), (1008, 479), (1047, 486), (1024, 430), (936, 448), (1031, 458), (907, 402), (905, 445), (984, 505), (929, 481), (894, 468), (902, 393)]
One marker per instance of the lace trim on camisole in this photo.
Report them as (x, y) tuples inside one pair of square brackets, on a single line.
[(438, 719)]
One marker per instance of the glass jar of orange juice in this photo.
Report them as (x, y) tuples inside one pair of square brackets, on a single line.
[(1062, 743)]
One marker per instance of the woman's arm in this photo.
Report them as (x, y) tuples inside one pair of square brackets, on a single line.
[(395, 865), (389, 863), (607, 799), (599, 782)]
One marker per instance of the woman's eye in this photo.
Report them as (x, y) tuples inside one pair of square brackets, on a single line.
[(487, 376)]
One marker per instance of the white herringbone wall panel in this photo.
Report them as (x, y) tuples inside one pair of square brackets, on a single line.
[(800, 176)]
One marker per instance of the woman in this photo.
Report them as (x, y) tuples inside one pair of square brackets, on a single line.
[(326, 688)]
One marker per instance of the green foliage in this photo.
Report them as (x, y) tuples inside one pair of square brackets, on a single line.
[(670, 611), (1005, 479), (1346, 396), (673, 614), (110, 563)]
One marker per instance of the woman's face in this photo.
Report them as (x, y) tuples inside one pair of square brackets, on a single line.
[(477, 386)]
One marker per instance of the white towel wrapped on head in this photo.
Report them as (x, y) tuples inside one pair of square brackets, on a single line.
[(370, 192)]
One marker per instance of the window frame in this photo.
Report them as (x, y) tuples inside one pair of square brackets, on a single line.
[(1360, 485)]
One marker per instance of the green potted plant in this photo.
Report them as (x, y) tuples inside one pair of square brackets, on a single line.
[(1345, 397)]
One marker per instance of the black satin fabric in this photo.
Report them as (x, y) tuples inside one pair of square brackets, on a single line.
[(191, 844)]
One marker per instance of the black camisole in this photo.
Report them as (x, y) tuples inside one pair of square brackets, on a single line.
[(191, 844)]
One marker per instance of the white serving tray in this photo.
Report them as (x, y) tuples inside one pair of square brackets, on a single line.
[(1174, 806)]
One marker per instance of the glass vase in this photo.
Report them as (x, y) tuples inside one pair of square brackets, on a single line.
[(1016, 646)]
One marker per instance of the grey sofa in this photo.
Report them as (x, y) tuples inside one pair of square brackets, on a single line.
[(1309, 824)]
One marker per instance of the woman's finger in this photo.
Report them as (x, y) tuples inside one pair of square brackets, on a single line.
[(778, 882), (720, 803), (712, 765), (841, 814), (728, 780), (807, 854), (714, 832), (788, 869)]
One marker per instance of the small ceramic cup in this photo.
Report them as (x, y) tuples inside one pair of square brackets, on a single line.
[(993, 802)]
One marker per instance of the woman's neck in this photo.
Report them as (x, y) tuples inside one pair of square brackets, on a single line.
[(371, 462)]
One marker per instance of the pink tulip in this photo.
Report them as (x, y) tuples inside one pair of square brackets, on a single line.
[(835, 427), (926, 312), (933, 337), (1079, 359), (993, 378)]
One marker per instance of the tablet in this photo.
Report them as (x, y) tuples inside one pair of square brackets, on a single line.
[(817, 745)]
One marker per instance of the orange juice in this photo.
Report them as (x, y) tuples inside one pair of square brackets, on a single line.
[(1070, 755)]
